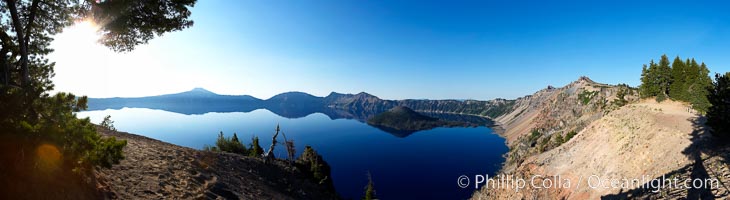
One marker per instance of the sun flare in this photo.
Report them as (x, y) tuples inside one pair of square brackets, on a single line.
[(82, 33)]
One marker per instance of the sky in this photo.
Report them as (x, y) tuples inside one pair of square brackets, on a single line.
[(397, 49)]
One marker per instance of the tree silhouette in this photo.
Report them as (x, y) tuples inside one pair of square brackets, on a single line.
[(718, 115)]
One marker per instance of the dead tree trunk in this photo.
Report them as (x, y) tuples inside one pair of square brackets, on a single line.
[(269, 155), (290, 150)]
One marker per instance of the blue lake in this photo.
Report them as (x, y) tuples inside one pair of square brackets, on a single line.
[(423, 165)]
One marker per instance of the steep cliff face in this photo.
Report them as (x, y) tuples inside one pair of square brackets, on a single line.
[(546, 119), (361, 104)]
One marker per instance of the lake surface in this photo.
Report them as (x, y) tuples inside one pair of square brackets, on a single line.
[(423, 165)]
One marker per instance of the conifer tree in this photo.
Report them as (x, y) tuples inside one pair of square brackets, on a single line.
[(237, 146), (718, 114), (699, 92), (691, 77), (255, 149), (663, 76), (683, 81), (370, 189), (649, 87), (677, 89)]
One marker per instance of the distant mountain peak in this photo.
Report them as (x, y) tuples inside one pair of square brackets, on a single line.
[(200, 89), (294, 96), (295, 93), (585, 79)]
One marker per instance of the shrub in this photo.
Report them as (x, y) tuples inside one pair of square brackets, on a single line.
[(237, 146), (111, 152), (313, 163), (534, 135), (559, 139), (620, 100), (570, 135), (232, 145), (586, 96)]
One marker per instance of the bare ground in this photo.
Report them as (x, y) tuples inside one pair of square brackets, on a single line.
[(158, 170)]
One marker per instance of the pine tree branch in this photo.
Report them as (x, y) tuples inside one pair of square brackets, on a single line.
[(28, 27), (25, 80)]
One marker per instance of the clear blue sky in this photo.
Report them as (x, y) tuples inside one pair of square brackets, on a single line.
[(424, 49)]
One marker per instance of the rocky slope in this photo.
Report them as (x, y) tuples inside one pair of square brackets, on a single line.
[(158, 170), (536, 121), (639, 142)]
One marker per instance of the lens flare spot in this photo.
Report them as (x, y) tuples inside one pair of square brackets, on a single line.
[(48, 157)]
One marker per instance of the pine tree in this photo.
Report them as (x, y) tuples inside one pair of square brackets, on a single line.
[(701, 89), (691, 76), (318, 168), (683, 81), (221, 142), (677, 89), (235, 138), (623, 90), (648, 87), (718, 114), (655, 79), (663, 76), (255, 149), (31, 115), (644, 87), (237, 146), (370, 189)]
